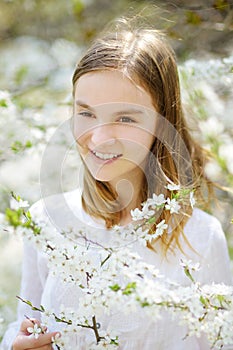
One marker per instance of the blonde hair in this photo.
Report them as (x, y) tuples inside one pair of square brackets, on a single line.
[(145, 57)]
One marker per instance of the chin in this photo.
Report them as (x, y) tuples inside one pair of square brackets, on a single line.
[(103, 178)]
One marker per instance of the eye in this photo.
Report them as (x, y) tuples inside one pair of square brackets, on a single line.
[(126, 119), (86, 114)]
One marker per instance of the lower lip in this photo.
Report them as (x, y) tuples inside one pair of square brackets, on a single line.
[(105, 161)]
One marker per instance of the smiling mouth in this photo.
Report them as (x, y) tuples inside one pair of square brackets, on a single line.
[(106, 156)]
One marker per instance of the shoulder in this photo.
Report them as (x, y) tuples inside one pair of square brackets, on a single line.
[(63, 210), (58, 201), (204, 226), (58, 208)]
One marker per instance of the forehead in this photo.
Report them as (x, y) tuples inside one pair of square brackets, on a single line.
[(96, 88)]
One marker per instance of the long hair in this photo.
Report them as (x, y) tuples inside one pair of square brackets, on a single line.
[(145, 57)]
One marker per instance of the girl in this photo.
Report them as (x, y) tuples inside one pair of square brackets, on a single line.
[(133, 139)]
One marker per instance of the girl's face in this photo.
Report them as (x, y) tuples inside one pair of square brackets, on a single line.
[(114, 125)]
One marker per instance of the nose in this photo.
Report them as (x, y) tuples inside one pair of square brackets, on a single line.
[(102, 134)]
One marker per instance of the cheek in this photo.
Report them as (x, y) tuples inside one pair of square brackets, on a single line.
[(137, 150), (139, 139), (80, 131)]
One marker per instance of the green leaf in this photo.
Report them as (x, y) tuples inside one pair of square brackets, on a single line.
[(18, 146), (188, 274), (115, 287), (221, 5), (204, 301), (129, 288), (145, 304), (28, 144), (78, 7), (28, 303), (20, 74), (57, 319), (184, 192), (193, 18), (3, 103), (13, 217), (15, 196), (28, 215), (175, 195), (151, 220), (114, 341)]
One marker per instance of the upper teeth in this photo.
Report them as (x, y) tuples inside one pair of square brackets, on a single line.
[(105, 155)]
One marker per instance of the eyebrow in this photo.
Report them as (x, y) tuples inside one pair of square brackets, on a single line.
[(125, 111), (83, 104)]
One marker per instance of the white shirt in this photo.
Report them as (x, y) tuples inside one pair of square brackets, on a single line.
[(203, 232)]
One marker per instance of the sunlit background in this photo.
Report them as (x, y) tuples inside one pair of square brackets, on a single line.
[(41, 41)]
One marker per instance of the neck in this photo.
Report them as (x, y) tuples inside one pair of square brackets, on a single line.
[(129, 194)]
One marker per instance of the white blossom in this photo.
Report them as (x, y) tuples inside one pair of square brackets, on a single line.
[(190, 265), (35, 331), (156, 200), (56, 340), (116, 279), (136, 214), (213, 170), (173, 187), (145, 213), (226, 153), (172, 205), (17, 204), (211, 127), (160, 227)]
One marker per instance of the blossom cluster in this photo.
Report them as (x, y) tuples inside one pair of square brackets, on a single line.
[(205, 87), (114, 279)]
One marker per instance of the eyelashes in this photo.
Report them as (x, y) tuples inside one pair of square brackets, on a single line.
[(122, 119), (86, 114), (126, 119)]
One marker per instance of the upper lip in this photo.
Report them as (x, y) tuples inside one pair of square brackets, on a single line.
[(105, 155)]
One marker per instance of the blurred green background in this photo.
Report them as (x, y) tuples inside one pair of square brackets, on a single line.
[(194, 25)]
